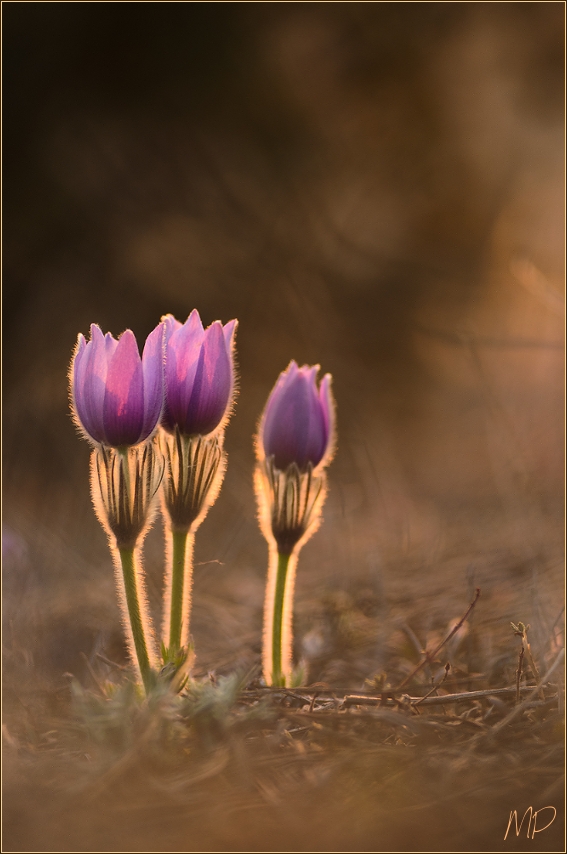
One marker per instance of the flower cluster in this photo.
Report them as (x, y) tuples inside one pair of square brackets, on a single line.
[(156, 424), (185, 379), (155, 420)]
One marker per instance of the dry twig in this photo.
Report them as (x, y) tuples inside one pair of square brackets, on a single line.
[(434, 688), (361, 700), (519, 673), (520, 708), (430, 656)]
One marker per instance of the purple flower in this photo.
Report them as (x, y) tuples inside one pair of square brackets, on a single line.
[(117, 398), (199, 374), (298, 423)]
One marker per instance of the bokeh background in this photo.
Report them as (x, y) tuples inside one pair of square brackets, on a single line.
[(374, 187)]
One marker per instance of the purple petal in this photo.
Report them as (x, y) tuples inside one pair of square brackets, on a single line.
[(212, 385), (171, 324), (80, 348), (328, 409), (229, 331), (316, 433), (110, 344), (77, 377), (268, 425), (123, 409), (307, 419), (153, 370), (181, 360), (90, 379)]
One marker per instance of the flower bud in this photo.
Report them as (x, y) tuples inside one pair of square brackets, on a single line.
[(295, 442), (298, 422)]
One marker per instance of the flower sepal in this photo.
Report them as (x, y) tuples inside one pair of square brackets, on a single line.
[(194, 471), (124, 484), (290, 503)]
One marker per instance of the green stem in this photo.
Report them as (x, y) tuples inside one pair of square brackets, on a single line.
[(278, 677), (178, 593), (127, 560)]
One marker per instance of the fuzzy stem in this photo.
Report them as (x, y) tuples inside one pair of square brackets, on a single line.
[(177, 600), (178, 573), (278, 607), (127, 560), (283, 561)]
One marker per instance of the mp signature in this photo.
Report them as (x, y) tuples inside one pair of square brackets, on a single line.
[(532, 821)]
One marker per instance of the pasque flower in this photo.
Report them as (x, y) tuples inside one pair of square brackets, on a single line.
[(298, 421), (117, 398), (199, 374), (199, 392), (295, 442)]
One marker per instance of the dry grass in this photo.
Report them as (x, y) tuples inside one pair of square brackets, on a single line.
[(229, 765)]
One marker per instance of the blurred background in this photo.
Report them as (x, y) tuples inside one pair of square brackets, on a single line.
[(374, 187)]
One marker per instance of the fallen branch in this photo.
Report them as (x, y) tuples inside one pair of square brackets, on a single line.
[(427, 700)]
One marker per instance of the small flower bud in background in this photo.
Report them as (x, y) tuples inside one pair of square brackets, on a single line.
[(199, 394), (298, 421), (117, 398), (295, 442)]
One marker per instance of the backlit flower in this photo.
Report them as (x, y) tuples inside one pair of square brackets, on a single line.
[(295, 443), (117, 398), (298, 421), (199, 375)]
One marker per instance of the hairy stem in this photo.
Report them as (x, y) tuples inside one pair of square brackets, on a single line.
[(278, 608), (179, 572), (179, 581), (130, 577), (277, 626)]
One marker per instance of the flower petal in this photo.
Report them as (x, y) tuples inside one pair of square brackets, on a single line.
[(153, 378), (123, 409), (316, 434), (183, 349), (171, 324), (90, 378), (212, 384), (229, 330), (268, 422), (328, 409), (76, 377)]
